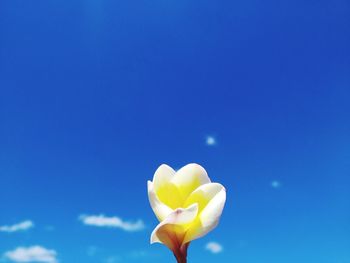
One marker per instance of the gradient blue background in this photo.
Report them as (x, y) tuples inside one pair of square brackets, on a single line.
[(94, 95)]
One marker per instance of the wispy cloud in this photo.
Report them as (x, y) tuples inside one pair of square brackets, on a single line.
[(210, 141), (113, 259), (275, 184), (32, 254), (137, 254), (214, 247), (132, 256), (91, 251), (49, 228), (112, 222), (22, 226)]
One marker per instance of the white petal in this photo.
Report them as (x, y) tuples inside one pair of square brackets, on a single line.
[(161, 210), (171, 231), (162, 176), (203, 195), (167, 192), (189, 177), (209, 217)]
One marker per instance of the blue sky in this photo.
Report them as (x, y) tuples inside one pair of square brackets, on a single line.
[(95, 95)]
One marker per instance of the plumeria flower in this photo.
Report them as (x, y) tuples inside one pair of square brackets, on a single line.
[(187, 204)]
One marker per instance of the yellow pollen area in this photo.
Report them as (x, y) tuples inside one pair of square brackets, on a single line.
[(182, 197), (198, 197), (170, 195)]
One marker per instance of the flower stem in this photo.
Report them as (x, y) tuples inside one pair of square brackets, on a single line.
[(181, 253), (180, 258)]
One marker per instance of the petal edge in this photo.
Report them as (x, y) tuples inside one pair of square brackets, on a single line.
[(208, 218), (160, 210), (171, 231)]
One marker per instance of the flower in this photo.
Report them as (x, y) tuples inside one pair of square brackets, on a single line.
[(187, 204)]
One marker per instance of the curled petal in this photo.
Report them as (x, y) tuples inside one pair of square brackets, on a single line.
[(188, 178), (171, 231), (161, 210), (208, 218), (203, 195)]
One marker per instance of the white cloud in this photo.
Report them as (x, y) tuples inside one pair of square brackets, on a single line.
[(91, 251), (32, 254), (137, 254), (210, 141), (275, 184), (25, 225), (112, 222), (113, 259), (214, 247), (49, 228)]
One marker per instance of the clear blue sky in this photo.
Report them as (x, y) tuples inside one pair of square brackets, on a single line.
[(95, 94)]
